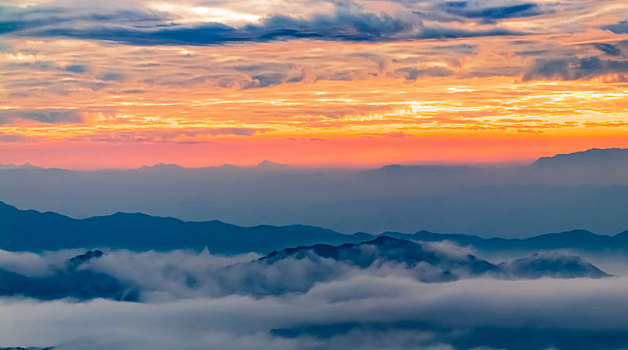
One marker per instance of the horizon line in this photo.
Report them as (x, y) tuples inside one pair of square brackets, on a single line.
[(382, 233), (267, 163)]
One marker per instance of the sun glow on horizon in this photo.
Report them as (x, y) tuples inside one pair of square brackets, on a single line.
[(308, 95)]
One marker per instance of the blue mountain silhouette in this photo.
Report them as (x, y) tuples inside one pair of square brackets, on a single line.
[(30, 230)]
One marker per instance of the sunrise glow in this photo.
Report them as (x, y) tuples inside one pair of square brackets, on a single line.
[(198, 85)]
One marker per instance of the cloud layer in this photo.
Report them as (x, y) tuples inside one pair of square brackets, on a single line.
[(362, 311), (154, 77), (299, 299), (348, 21)]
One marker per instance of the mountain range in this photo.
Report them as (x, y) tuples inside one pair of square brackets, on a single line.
[(67, 282), (450, 265), (579, 190), (30, 230), (300, 269)]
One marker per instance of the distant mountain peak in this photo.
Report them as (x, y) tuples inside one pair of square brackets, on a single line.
[(267, 164), (228, 166), (162, 166), (19, 166), (74, 262), (553, 265), (447, 264), (596, 156)]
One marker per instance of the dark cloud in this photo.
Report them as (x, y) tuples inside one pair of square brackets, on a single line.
[(464, 49), (414, 73), (46, 66), (50, 116), (573, 69), (491, 14), (278, 27), (617, 28), (452, 33), (344, 24), (112, 76), (76, 68), (266, 66), (268, 79), (608, 49), (15, 20), (264, 74), (531, 52)]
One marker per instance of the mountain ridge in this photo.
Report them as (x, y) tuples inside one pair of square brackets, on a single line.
[(451, 265), (32, 230), (602, 154)]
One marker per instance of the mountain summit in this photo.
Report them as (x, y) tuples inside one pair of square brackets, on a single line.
[(267, 164), (592, 158)]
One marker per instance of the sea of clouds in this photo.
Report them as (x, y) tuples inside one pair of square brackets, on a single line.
[(196, 300)]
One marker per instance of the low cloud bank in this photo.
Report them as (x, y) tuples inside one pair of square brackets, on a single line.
[(192, 300), (166, 276), (363, 311)]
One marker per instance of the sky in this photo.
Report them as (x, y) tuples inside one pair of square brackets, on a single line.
[(102, 84)]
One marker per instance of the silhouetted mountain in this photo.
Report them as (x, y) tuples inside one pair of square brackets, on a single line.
[(575, 239), (594, 166), (31, 230), (24, 166), (593, 159), (552, 265), (68, 282), (83, 258), (385, 249), (35, 231), (507, 201), (297, 270), (438, 173), (267, 164), (445, 264), (161, 166), (291, 270)]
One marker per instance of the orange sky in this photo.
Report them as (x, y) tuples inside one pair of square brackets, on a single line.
[(556, 82)]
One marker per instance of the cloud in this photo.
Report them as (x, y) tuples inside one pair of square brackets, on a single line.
[(36, 17), (192, 300), (49, 116), (112, 76), (76, 68), (414, 73), (617, 28), (151, 276), (346, 23), (362, 311), (157, 135), (573, 69), (491, 14), (608, 49), (36, 65)]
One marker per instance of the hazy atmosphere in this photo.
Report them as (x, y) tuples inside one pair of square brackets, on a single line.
[(313, 174), (586, 190)]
